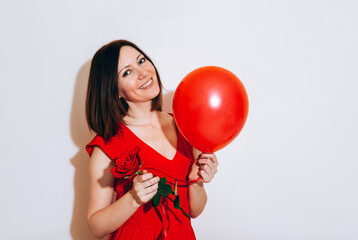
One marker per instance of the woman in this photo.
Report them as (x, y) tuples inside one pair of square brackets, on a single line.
[(123, 107)]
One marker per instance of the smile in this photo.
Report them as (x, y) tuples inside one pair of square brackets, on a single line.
[(147, 84)]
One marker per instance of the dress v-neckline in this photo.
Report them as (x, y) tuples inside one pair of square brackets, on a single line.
[(150, 147)]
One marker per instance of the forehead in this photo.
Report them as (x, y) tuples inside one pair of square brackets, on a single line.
[(126, 55)]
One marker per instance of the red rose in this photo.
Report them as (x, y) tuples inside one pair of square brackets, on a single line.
[(127, 164)]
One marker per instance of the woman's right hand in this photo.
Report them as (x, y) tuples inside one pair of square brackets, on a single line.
[(144, 188)]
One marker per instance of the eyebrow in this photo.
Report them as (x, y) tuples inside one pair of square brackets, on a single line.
[(129, 65)]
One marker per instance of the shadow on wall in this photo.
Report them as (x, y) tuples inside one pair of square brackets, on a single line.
[(81, 136)]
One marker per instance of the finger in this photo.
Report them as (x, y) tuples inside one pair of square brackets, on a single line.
[(207, 169), (144, 197), (144, 177), (151, 189), (207, 155), (215, 161), (211, 156), (206, 178), (142, 192), (150, 182), (150, 196), (209, 163)]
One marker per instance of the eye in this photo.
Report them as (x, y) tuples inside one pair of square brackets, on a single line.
[(126, 73), (142, 60)]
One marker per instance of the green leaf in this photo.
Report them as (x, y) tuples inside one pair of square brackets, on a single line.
[(156, 200), (185, 213), (165, 190), (176, 187), (162, 182), (177, 202)]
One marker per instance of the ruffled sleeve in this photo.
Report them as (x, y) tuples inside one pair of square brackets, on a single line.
[(111, 148)]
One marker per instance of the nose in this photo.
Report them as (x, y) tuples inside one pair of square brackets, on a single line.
[(141, 73)]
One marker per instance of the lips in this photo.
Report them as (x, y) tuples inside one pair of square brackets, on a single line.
[(147, 84)]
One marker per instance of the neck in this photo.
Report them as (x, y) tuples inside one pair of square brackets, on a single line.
[(141, 114)]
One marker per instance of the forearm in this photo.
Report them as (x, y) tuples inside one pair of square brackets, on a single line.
[(109, 219), (197, 199)]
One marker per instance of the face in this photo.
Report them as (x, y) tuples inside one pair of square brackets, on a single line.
[(137, 80)]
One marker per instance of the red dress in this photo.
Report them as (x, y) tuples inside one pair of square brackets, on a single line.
[(149, 223)]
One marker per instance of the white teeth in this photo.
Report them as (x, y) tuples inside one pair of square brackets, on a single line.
[(147, 84)]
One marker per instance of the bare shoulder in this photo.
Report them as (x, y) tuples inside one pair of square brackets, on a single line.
[(166, 118), (165, 115), (100, 165), (99, 157)]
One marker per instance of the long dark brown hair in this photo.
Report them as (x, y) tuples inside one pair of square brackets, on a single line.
[(104, 108)]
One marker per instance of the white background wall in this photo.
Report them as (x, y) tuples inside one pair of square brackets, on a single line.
[(291, 173)]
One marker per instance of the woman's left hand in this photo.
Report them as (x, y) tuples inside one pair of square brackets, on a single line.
[(205, 166)]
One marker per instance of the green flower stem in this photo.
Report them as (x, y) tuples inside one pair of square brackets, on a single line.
[(176, 187), (180, 208)]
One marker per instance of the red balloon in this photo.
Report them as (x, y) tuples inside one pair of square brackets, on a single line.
[(210, 107)]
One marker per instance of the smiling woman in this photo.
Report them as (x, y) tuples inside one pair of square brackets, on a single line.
[(137, 77), (138, 148), (104, 107)]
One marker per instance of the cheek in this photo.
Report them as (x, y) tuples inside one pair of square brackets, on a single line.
[(126, 85), (131, 85), (150, 68)]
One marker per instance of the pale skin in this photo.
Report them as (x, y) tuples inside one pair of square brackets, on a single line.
[(158, 130)]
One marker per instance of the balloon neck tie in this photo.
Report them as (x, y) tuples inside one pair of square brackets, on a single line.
[(195, 181), (165, 218), (179, 180)]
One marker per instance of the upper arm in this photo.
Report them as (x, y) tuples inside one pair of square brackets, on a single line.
[(101, 182)]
